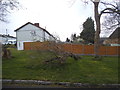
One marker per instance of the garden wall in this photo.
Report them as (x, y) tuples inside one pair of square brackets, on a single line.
[(76, 48)]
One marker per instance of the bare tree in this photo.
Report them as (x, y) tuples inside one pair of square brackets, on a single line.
[(5, 8), (58, 50), (98, 28), (112, 20), (111, 9), (56, 47)]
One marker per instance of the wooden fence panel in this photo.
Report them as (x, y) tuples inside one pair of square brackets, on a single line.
[(119, 51), (67, 47), (35, 46), (27, 45), (75, 48), (79, 49), (102, 50), (88, 49), (112, 50)]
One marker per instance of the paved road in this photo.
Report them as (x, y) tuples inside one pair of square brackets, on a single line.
[(28, 86)]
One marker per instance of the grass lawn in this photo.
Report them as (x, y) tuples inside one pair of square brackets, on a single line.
[(27, 65)]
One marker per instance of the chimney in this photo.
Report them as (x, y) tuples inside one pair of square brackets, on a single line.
[(36, 24)]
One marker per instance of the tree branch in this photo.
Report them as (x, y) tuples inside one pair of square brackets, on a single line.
[(108, 4), (110, 9), (5, 7)]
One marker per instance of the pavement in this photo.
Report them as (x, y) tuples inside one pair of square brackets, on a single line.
[(48, 84), (28, 86)]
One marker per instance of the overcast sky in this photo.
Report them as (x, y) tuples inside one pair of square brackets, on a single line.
[(58, 16)]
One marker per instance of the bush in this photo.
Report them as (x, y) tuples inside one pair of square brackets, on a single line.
[(6, 52)]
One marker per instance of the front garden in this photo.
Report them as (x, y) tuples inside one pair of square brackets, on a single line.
[(28, 65)]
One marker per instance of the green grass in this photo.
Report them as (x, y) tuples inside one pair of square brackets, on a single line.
[(28, 65)]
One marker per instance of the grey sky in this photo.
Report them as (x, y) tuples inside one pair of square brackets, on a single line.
[(56, 15)]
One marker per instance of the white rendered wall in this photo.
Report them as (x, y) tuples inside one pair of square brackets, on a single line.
[(30, 33), (24, 34)]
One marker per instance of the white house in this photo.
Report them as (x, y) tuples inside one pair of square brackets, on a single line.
[(7, 39), (30, 32)]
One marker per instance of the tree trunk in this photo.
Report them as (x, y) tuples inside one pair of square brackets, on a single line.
[(6, 53), (98, 29)]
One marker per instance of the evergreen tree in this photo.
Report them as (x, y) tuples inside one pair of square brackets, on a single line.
[(73, 37), (67, 40), (88, 32)]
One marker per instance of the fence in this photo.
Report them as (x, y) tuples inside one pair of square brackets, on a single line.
[(78, 49)]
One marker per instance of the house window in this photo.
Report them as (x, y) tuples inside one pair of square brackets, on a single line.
[(33, 33)]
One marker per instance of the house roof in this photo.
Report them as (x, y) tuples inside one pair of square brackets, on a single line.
[(102, 39), (35, 26), (7, 36), (115, 34)]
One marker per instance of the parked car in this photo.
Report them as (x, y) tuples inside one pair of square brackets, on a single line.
[(11, 42)]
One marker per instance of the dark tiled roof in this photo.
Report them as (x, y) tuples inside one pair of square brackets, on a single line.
[(115, 34), (6, 36), (102, 39), (35, 26)]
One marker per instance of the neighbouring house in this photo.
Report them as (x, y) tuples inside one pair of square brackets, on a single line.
[(102, 39), (7, 39), (78, 40), (114, 38), (30, 32)]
